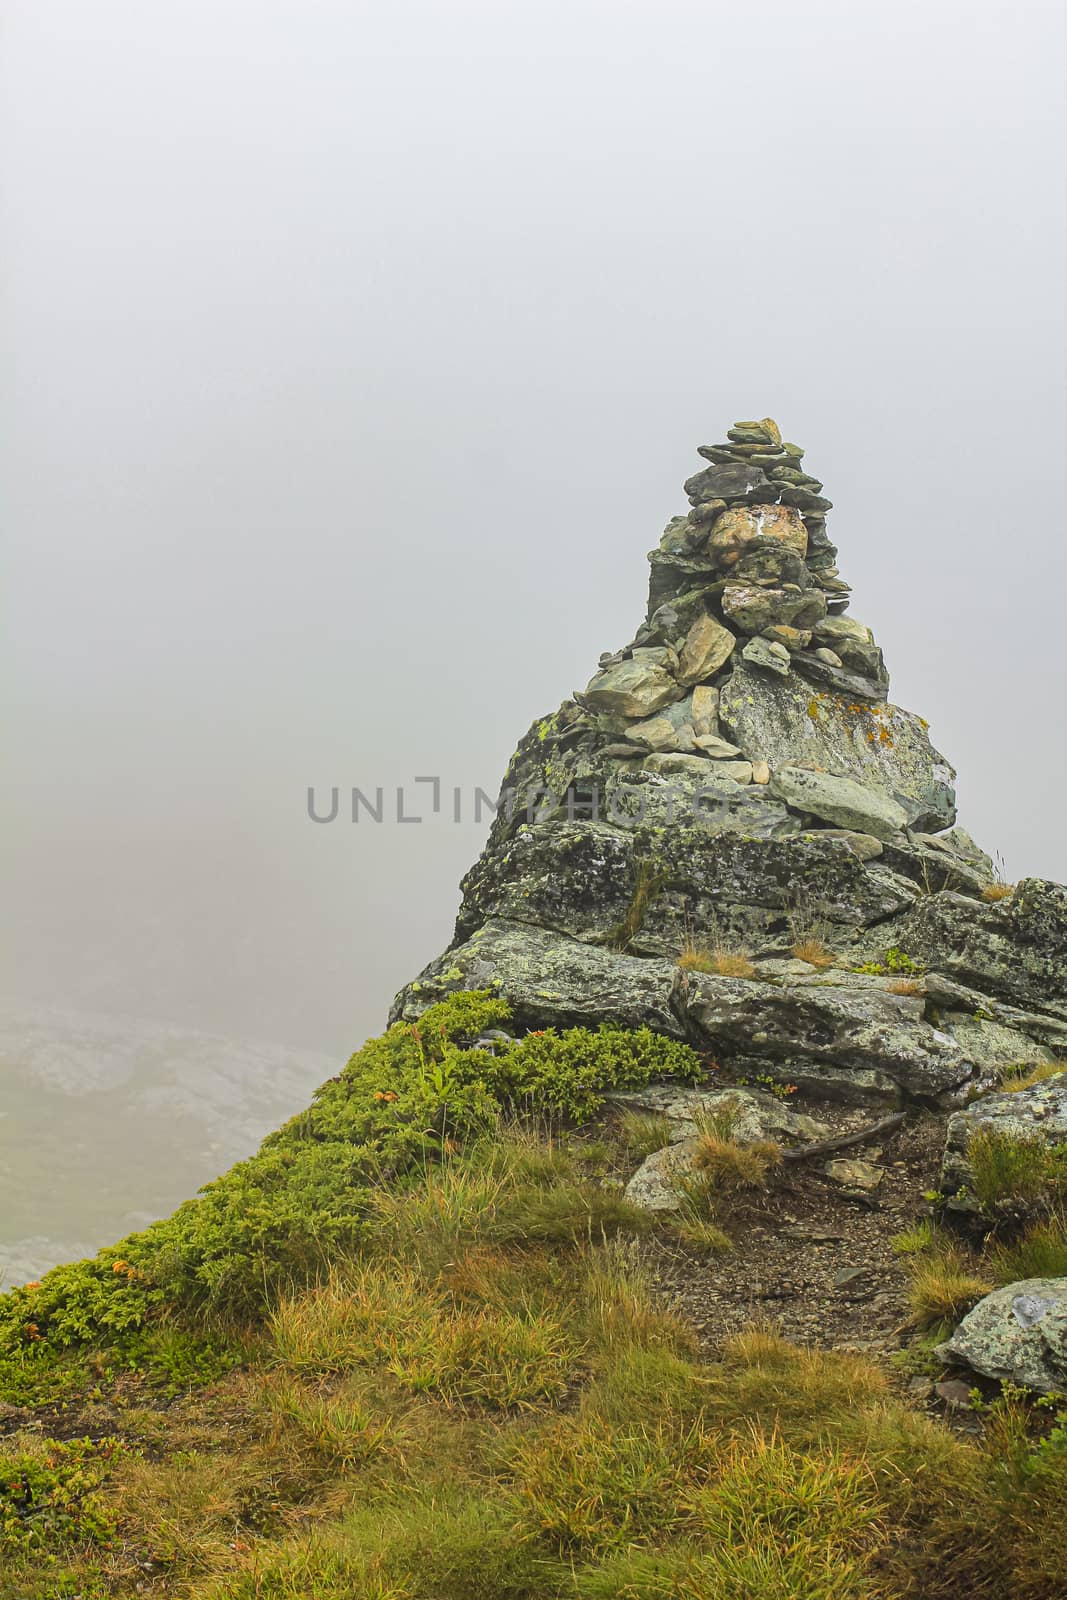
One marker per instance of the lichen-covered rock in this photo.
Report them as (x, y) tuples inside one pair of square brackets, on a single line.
[(748, 1114), (1015, 948), (659, 1182), (579, 878), (550, 981), (736, 529), (752, 608), (1017, 1334), (879, 746), (866, 1028), (708, 646), (1039, 1112), (840, 801)]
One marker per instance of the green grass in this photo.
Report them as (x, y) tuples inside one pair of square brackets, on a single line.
[(477, 1395), (1041, 1252), (1014, 1173)]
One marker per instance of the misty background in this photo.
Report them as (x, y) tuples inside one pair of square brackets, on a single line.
[(355, 356)]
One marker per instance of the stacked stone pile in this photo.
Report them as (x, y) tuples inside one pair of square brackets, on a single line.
[(735, 774)]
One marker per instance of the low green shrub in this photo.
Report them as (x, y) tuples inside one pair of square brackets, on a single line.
[(49, 1496), (274, 1223)]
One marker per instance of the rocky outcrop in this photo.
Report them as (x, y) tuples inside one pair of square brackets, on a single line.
[(1017, 1334), (735, 777)]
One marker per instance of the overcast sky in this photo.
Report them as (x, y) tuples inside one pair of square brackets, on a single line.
[(355, 356)]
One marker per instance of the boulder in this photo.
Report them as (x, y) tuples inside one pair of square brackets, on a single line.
[(750, 1113), (708, 646), (1017, 1334), (732, 481), (736, 528), (880, 746), (659, 1182), (753, 608), (765, 654), (840, 801), (634, 688)]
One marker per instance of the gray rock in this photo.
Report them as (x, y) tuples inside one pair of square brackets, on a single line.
[(1013, 949), (881, 746), (752, 608), (658, 1183), (1036, 1113), (751, 1114), (728, 482), (851, 1173), (550, 981), (826, 1023), (715, 748), (842, 801), (863, 845), (1017, 1334), (770, 657), (634, 688), (994, 1046)]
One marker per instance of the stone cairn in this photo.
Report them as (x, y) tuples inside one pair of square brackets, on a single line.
[(735, 777), (751, 569)]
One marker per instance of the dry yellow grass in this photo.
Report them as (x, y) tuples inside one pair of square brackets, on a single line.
[(813, 951), (998, 891), (721, 961), (1019, 1078), (905, 986), (731, 1168)]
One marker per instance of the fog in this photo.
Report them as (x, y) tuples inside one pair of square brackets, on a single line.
[(355, 356)]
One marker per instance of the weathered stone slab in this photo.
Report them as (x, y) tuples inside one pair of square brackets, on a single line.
[(841, 1026), (841, 801), (784, 722), (550, 981)]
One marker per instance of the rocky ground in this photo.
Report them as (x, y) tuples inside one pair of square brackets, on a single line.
[(815, 1256)]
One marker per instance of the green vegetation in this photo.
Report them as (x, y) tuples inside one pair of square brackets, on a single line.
[(895, 962), (648, 881), (276, 1221), (1041, 1252), (1010, 1173), (450, 1380)]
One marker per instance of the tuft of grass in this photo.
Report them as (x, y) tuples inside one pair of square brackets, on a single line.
[(904, 986), (921, 1236), (1041, 1252), (699, 1233), (998, 891), (372, 1316), (1024, 1077), (943, 1287), (643, 1132), (814, 951), (729, 1168), (1011, 1172), (720, 961)]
